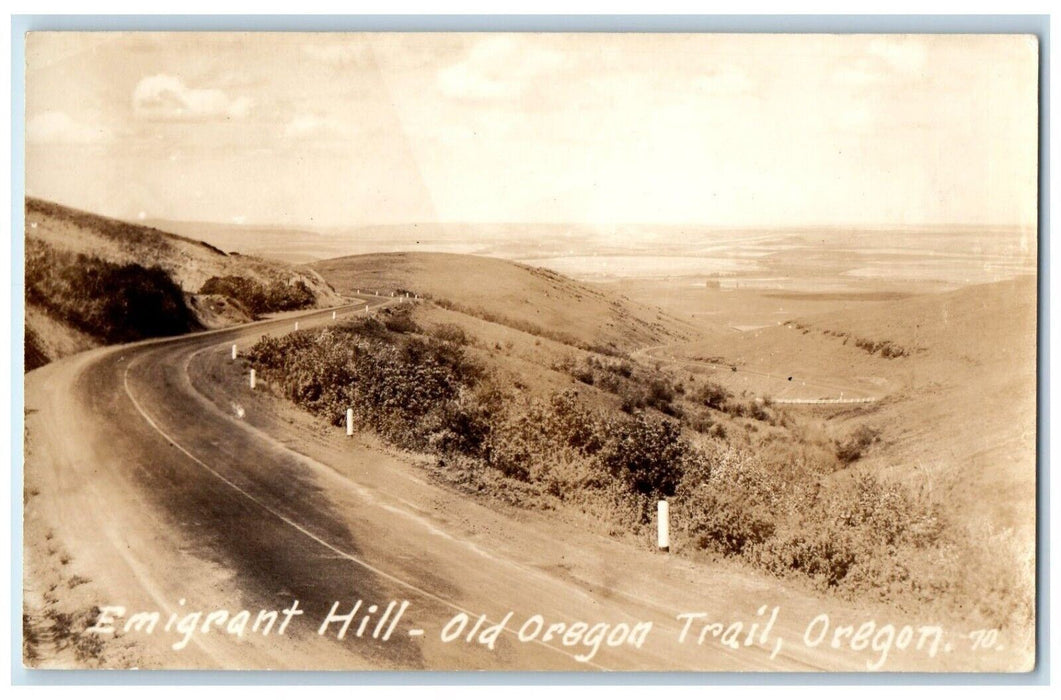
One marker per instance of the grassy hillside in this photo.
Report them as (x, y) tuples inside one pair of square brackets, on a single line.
[(821, 496), (963, 400), (955, 370), (955, 373), (528, 298), (91, 280)]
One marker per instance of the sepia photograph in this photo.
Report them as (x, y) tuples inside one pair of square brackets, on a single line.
[(516, 352)]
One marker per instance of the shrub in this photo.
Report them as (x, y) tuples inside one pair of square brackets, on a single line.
[(637, 388), (113, 303), (259, 299), (467, 422), (712, 395), (757, 410), (405, 386), (777, 506), (451, 333), (280, 296), (400, 321), (852, 449), (647, 454), (729, 502), (242, 290), (825, 554)]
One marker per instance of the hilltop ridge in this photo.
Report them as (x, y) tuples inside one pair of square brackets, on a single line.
[(513, 294), (93, 280)]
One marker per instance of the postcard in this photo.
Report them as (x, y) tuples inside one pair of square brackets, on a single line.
[(530, 351)]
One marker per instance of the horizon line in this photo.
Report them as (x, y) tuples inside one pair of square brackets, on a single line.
[(318, 228)]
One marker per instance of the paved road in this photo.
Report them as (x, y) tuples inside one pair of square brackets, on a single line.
[(177, 491)]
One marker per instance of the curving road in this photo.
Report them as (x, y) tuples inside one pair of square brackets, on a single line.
[(177, 488)]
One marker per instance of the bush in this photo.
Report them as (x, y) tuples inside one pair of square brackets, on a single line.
[(826, 555), (451, 333), (729, 502), (757, 410), (400, 321), (852, 449), (406, 387), (280, 296), (645, 453), (467, 423), (781, 508), (112, 303), (637, 388), (712, 395), (260, 299)]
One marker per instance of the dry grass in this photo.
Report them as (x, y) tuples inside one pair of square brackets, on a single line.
[(63, 315), (531, 299), (770, 488)]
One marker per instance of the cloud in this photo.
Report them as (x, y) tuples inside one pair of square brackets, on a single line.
[(167, 98), (58, 127), (498, 68), (305, 125)]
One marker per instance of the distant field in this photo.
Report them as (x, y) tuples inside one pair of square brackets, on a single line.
[(713, 278), (801, 259)]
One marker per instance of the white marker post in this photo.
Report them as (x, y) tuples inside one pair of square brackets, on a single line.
[(349, 422), (233, 351), (664, 526), (253, 378), (333, 315), (296, 325)]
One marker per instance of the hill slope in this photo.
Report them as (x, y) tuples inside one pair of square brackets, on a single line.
[(964, 412), (956, 372), (91, 280), (528, 298)]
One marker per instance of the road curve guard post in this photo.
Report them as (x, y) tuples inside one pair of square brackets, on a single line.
[(253, 378), (233, 351), (333, 315), (663, 533), (296, 325), (349, 422)]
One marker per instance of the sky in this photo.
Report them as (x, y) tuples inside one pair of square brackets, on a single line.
[(334, 130)]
